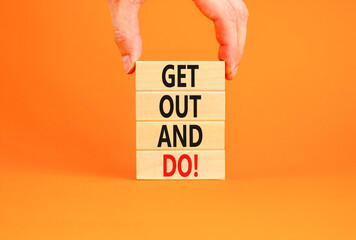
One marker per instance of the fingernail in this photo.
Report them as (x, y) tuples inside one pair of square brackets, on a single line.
[(235, 70), (232, 73), (128, 65)]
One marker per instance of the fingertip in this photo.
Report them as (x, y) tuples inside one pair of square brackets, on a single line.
[(230, 73), (132, 69), (228, 55), (129, 65), (228, 77)]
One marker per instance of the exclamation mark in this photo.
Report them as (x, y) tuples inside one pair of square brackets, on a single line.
[(196, 165)]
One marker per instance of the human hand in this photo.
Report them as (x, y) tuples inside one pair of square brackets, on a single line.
[(229, 17)]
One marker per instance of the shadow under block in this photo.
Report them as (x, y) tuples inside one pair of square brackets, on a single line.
[(200, 105), (211, 164), (210, 75), (180, 120)]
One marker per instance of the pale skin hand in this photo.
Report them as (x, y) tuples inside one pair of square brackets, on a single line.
[(229, 17)]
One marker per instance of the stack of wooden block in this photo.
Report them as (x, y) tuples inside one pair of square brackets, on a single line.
[(180, 113)]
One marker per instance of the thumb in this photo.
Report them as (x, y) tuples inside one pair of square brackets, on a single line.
[(124, 14)]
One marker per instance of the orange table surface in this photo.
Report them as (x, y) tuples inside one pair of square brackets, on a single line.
[(49, 206)]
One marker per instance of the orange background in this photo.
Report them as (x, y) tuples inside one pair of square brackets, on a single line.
[(67, 125)]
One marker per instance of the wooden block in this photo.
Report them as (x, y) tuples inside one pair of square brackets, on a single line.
[(200, 106), (180, 113), (208, 164), (158, 135), (180, 75)]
